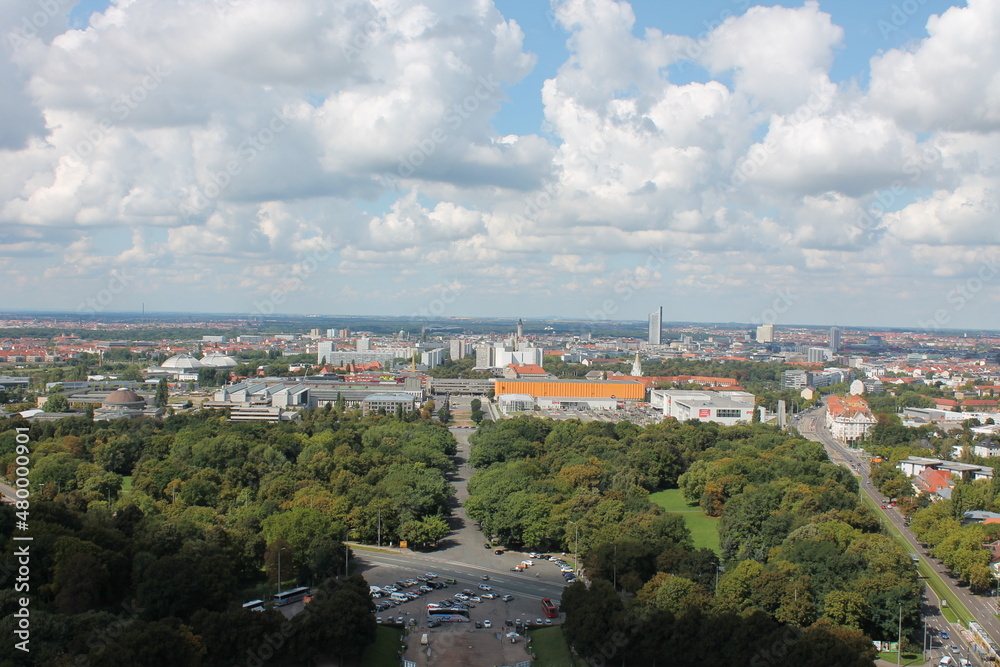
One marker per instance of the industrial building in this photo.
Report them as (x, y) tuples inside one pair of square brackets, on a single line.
[(626, 390)]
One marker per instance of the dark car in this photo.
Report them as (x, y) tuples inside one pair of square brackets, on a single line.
[(433, 624), (499, 552), (479, 625)]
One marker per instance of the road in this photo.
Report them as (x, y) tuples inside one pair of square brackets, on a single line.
[(462, 556), (812, 425)]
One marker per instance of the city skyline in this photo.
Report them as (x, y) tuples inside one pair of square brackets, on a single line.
[(819, 163)]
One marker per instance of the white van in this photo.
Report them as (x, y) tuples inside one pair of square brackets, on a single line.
[(423, 640), (399, 597), (946, 660)]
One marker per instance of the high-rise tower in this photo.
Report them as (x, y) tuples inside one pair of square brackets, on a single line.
[(656, 326)]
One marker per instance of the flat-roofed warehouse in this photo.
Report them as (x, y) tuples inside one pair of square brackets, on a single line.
[(625, 390)]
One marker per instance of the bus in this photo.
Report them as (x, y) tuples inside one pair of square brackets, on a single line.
[(549, 609), (448, 614), (254, 605), (290, 596)]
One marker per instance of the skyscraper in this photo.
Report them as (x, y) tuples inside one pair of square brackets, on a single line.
[(656, 326), (835, 339), (765, 333)]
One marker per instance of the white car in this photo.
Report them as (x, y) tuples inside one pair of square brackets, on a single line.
[(461, 596), (485, 587), (527, 562), (487, 624)]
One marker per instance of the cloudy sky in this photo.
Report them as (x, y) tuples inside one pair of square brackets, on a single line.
[(817, 163)]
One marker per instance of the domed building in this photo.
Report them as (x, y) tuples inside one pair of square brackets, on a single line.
[(218, 360), (125, 399), (124, 403), (182, 362)]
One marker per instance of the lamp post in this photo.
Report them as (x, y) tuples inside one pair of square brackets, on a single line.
[(576, 555), (899, 638), (279, 566)]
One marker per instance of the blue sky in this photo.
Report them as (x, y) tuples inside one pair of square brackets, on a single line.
[(585, 159)]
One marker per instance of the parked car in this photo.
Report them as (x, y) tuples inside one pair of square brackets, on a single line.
[(507, 598), (487, 624)]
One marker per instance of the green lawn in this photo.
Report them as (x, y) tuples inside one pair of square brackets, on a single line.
[(704, 529), (126, 483), (908, 658), (383, 652), (550, 647)]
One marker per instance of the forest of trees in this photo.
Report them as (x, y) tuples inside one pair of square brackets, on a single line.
[(149, 534), (801, 558)]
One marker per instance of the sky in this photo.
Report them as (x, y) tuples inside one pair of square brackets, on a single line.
[(831, 162)]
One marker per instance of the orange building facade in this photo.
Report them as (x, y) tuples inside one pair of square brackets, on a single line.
[(628, 391)]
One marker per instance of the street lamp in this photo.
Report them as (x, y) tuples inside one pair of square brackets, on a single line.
[(279, 566), (576, 555)]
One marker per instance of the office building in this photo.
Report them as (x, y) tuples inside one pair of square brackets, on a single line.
[(765, 333), (834, 339), (656, 326)]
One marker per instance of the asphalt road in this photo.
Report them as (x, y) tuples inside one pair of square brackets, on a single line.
[(812, 425), (462, 556)]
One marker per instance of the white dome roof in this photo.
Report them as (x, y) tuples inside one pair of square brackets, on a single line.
[(182, 362), (218, 359)]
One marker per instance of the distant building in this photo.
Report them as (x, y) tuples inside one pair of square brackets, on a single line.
[(817, 355), (433, 358), (124, 404), (626, 390), (849, 418), (656, 326), (765, 333), (459, 348), (390, 403), (834, 339), (987, 448), (500, 356)]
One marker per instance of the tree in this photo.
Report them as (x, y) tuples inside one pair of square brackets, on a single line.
[(338, 622), (444, 414), (56, 403), (477, 416), (162, 393)]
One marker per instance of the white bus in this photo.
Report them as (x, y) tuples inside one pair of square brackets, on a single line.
[(290, 596)]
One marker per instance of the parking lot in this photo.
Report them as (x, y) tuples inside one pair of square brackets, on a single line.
[(486, 597)]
